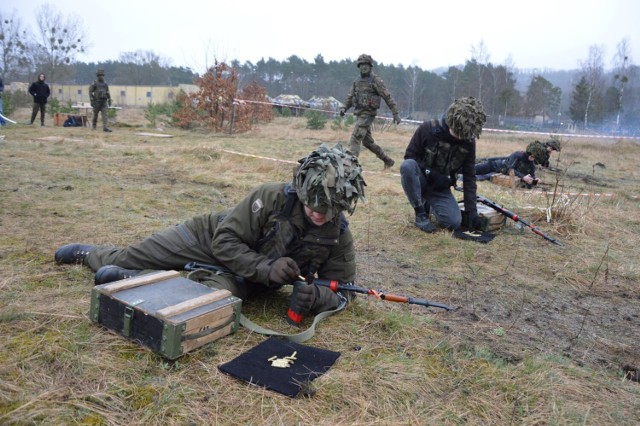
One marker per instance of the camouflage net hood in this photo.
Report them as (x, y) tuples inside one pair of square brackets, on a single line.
[(465, 117), (329, 181), (365, 59), (538, 150), (99, 73)]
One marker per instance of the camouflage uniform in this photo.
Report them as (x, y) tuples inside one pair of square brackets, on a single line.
[(365, 96), (100, 100), (267, 225), (434, 157)]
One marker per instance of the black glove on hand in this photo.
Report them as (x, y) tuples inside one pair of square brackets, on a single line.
[(438, 180), (312, 297), (342, 112), (305, 296), (475, 222), (284, 271)]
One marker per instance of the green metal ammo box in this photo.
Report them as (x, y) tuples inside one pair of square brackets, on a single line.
[(165, 312)]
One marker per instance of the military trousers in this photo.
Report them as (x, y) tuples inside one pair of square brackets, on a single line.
[(361, 135), (171, 249), (101, 107), (420, 193)]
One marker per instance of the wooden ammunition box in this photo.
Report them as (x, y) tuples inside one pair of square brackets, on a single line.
[(165, 312), (506, 180), (494, 221)]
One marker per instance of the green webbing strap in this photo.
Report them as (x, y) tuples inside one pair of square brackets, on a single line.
[(199, 275), (303, 336)]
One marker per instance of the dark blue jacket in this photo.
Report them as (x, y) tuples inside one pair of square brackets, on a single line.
[(40, 92)]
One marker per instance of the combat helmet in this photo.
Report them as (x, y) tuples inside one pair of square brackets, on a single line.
[(537, 149), (365, 59), (99, 73), (465, 117), (329, 181), (554, 144)]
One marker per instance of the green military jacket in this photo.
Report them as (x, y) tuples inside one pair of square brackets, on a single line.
[(365, 95), (99, 91), (248, 238)]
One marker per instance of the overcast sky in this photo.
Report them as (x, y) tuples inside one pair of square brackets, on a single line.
[(541, 34)]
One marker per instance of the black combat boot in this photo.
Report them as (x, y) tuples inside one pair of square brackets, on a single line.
[(423, 222), (73, 253), (110, 273), (106, 130)]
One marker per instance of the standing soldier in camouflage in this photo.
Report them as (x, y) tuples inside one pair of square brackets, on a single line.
[(364, 96), (100, 100)]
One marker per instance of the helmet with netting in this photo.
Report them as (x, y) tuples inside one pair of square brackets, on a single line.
[(329, 181), (465, 117), (99, 73), (365, 59), (554, 144), (538, 150)]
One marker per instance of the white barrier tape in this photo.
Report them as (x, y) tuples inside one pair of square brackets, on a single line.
[(7, 119), (228, 151), (568, 135)]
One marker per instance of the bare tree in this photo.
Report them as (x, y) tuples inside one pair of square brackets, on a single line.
[(412, 75), (593, 71), (13, 45), (145, 67), (480, 56), (60, 39), (620, 76)]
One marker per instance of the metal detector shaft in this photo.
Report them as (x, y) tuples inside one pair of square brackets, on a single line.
[(513, 216), (337, 286)]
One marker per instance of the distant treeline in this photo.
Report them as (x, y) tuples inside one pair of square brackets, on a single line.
[(548, 97)]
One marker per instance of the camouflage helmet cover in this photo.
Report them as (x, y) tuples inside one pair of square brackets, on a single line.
[(99, 73), (465, 117), (365, 59), (538, 150), (329, 180), (554, 144)]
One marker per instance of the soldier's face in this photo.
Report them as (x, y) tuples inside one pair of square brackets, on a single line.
[(316, 218), (365, 69)]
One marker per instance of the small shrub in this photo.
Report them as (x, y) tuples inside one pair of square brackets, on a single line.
[(316, 120)]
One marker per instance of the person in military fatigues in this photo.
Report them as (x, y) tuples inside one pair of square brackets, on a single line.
[(276, 233), (522, 163), (544, 153), (100, 100), (365, 96), (437, 152)]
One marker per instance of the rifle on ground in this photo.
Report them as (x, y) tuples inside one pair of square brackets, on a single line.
[(513, 216), (335, 286)]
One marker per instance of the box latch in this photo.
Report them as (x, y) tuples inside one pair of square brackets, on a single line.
[(128, 318)]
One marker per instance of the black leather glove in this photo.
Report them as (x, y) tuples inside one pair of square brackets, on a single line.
[(475, 222), (437, 180), (342, 112), (305, 296), (284, 271), (316, 298), (396, 119)]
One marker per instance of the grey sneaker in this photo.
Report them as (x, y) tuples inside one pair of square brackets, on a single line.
[(423, 223)]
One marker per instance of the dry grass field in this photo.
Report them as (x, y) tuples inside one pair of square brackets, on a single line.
[(539, 334)]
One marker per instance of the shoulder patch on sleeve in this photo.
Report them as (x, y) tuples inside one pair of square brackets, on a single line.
[(257, 206)]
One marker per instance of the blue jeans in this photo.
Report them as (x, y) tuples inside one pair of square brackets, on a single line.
[(2, 122), (420, 192)]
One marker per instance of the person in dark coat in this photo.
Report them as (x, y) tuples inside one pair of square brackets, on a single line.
[(40, 92), (437, 152)]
